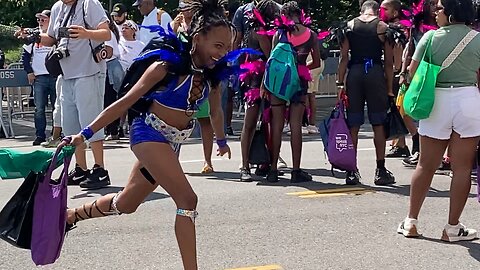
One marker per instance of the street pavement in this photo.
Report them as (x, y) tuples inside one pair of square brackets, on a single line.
[(312, 226)]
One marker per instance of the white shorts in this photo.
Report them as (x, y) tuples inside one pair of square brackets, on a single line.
[(455, 109), (81, 102), (57, 110), (314, 84)]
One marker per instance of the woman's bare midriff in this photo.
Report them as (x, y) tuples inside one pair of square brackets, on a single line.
[(174, 118)]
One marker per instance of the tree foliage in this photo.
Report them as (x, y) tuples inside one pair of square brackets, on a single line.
[(22, 12)]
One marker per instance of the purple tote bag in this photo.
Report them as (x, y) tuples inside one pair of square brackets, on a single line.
[(49, 215), (341, 152)]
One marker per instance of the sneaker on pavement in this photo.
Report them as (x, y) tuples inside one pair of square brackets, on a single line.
[(38, 141), (383, 177), (286, 128), (77, 175), (272, 176), (245, 175), (299, 176), (353, 178), (98, 178), (411, 161), (51, 142), (455, 233), (408, 228), (312, 129), (304, 130), (112, 138), (281, 164), (396, 152), (262, 170)]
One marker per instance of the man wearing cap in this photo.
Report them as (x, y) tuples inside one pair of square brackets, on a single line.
[(182, 22), (33, 59), (119, 15), (83, 79), (129, 47), (149, 11)]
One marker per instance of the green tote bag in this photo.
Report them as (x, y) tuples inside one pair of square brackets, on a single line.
[(420, 96)]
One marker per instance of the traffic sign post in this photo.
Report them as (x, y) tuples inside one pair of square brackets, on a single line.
[(11, 78)]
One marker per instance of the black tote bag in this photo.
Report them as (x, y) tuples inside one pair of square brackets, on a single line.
[(259, 153), (17, 215), (394, 126)]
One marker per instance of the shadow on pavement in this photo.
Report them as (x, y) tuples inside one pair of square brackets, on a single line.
[(405, 191), (472, 246), (224, 176), (284, 181), (104, 191)]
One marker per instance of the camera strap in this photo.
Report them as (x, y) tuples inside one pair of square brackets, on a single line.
[(65, 21), (87, 26)]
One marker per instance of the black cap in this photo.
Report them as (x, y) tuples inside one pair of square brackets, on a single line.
[(118, 9), (44, 13)]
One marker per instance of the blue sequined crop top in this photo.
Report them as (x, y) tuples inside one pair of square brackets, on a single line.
[(176, 97)]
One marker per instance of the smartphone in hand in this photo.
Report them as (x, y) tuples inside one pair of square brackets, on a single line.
[(63, 32)]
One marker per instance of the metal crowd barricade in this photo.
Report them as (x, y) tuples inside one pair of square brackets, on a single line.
[(14, 84), (327, 86)]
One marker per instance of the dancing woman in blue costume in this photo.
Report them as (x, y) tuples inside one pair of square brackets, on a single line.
[(185, 72)]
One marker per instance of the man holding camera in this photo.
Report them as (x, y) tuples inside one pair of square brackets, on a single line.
[(78, 29), (33, 59)]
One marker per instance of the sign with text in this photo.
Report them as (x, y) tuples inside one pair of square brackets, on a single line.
[(13, 78)]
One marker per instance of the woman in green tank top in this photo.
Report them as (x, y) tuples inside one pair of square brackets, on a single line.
[(454, 120)]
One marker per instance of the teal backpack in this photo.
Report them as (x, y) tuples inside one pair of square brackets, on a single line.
[(281, 74)]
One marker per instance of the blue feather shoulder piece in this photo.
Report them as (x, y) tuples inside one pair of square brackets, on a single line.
[(162, 55), (161, 31), (234, 55), (166, 47), (228, 64)]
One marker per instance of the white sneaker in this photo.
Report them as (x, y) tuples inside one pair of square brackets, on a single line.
[(458, 233), (286, 128), (408, 228), (304, 130), (281, 164), (312, 129), (51, 143)]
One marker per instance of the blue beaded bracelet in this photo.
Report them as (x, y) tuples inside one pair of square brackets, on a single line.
[(87, 133), (221, 143)]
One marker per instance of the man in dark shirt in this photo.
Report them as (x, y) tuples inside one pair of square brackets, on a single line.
[(369, 79)]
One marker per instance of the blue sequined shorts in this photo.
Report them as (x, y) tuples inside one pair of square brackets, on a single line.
[(141, 132)]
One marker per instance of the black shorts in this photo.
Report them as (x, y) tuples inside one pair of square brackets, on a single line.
[(368, 86)]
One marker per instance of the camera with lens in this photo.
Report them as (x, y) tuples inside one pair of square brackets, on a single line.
[(33, 35), (60, 53), (100, 53)]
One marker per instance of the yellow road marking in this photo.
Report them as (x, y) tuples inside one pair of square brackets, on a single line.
[(331, 192), (266, 267), (337, 194)]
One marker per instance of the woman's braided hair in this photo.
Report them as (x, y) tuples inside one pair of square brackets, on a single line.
[(207, 14), (268, 9)]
